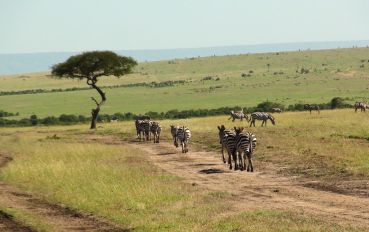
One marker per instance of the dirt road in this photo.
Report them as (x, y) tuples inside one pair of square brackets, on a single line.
[(262, 189)]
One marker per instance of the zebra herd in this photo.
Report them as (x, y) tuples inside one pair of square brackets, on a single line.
[(239, 145), (262, 116), (146, 128)]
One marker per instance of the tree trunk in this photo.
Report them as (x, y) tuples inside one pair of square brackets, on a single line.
[(95, 112)]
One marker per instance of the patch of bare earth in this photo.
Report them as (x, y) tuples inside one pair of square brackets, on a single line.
[(262, 189), (58, 217)]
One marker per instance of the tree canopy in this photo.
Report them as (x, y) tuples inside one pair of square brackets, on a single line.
[(94, 64), (90, 66)]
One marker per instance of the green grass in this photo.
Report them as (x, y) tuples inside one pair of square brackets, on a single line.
[(120, 184), (319, 86)]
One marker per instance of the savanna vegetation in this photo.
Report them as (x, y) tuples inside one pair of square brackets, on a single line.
[(119, 183), (332, 73), (117, 180)]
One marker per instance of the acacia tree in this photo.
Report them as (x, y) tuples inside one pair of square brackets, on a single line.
[(92, 65)]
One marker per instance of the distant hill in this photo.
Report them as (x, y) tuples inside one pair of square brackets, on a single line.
[(36, 62)]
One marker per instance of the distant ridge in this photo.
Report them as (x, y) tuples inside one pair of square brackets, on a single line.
[(37, 62)]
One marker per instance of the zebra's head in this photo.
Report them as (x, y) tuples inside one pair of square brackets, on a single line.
[(238, 130), (221, 133)]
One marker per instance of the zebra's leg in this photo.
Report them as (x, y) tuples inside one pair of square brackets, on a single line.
[(250, 167), (234, 154), (229, 158), (240, 161), (224, 161), (182, 145)]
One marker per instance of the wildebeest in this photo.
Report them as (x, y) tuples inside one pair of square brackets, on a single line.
[(361, 105), (312, 107)]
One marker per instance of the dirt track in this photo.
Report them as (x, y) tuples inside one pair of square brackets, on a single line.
[(262, 189), (58, 217)]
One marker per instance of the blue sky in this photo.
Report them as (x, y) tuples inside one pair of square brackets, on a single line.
[(79, 25)]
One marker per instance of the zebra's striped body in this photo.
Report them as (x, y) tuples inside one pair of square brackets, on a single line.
[(143, 128), (173, 131), (361, 105), (183, 136), (261, 116), (227, 138), (155, 130), (311, 108), (245, 146), (238, 115)]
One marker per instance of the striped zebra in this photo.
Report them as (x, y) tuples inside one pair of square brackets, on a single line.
[(173, 131), (183, 136), (227, 138), (238, 115), (261, 116), (361, 105), (276, 110), (143, 128), (245, 146), (312, 107), (155, 129)]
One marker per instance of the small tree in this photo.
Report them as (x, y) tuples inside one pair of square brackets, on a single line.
[(92, 65)]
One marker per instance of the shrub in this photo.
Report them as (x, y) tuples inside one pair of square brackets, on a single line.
[(33, 120)]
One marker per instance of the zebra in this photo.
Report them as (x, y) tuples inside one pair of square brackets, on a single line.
[(143, 127), (183, 135), (238, 115), (173, 131), (227, 138), (312, 107), (261, 116), (245, 146), (276, 110), (155, 129), (361, 105)]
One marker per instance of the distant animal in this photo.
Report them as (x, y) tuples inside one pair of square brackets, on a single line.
[(238, 115), (227, 138), (155, 129), (183, 136), (276, 110), (245, 146), (264, 117), (312, 107), (113, 120), (173, 131), (362, 106), (143, 128)]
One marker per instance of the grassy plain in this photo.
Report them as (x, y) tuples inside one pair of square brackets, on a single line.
[(332, 73), (120, 184)]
